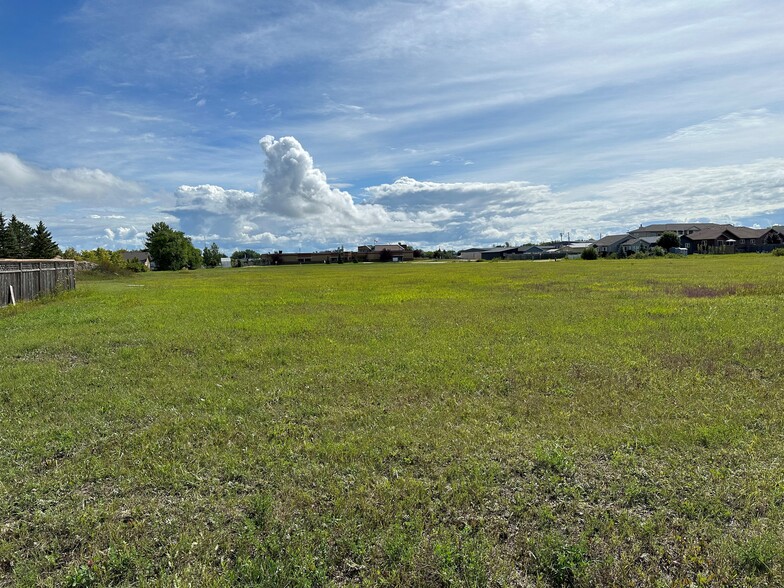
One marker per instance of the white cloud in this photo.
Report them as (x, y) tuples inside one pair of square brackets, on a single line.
[(295, 203), (75, 203), (727, 124), (293, 188), (32, 190), (212, 199), (294, 198), (717, 193)]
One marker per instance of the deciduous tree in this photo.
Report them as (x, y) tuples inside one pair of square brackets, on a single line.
[(170, 249), (668, 240)]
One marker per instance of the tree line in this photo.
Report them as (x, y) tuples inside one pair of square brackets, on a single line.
[(18, 240)]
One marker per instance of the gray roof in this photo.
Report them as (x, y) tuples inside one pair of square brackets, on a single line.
[(732, 232), (140, 255), (678, 226), (499, 249), (609, 240)]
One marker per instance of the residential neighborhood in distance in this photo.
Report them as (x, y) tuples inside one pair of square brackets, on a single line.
[(693, 237)]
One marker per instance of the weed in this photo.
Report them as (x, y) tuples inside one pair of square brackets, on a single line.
[(758, 554), (80, 577), (560, 562), (552, 457)]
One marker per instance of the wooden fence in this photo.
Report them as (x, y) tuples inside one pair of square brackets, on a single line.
[(26, 279)]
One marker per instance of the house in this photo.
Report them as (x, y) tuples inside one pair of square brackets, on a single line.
[(532, 249), (496, 252), (611, 244), (755, 240), (574, 250), (679, 229), (710, 240), (730, 239), (531, 252), (390, 251), (637, 244), (471, 254), (142, 257)]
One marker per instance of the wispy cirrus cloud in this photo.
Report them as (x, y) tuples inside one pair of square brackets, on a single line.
[(758, 119)]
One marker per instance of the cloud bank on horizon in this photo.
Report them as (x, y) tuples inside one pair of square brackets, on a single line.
[(296, 204), (441, 123)]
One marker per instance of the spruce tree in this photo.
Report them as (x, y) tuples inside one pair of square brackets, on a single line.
[(4, 236), (17, 243), (42, 245)]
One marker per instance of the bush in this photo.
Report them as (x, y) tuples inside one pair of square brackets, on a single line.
[(589, 253), (779, 252), (668, 240), (658, 251)]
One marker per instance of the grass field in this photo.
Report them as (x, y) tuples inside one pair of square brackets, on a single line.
[(487, 424)]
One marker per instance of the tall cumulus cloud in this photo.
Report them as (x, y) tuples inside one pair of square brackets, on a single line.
[(295, 204)]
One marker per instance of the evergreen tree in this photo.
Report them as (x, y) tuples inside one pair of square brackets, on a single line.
[(42, 245), (4, 238), (20, 238)]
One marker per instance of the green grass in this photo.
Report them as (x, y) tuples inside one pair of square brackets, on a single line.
[(573, 423)]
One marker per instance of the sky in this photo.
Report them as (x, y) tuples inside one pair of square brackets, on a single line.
[(307, 124)]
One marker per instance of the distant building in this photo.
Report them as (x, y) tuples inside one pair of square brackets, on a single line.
[(142, 257), (611, 243), (730, 239), (390, 252), (679, 229), (638, 244), (471, 254)]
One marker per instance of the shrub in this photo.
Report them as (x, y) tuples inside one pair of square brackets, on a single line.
[(668, 240), (658, 251), (589, 253), (778, 252)]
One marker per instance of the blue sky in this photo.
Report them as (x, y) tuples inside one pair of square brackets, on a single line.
[(311, 124)]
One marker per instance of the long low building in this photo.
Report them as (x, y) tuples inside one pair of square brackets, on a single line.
[(376, 253)]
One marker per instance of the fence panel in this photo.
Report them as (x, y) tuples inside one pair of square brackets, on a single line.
[(31, 278)]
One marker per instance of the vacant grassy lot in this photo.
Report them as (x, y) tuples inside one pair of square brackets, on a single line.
[(569, 423)]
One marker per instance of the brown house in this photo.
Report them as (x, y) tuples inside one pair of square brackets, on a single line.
[(729, 239)]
